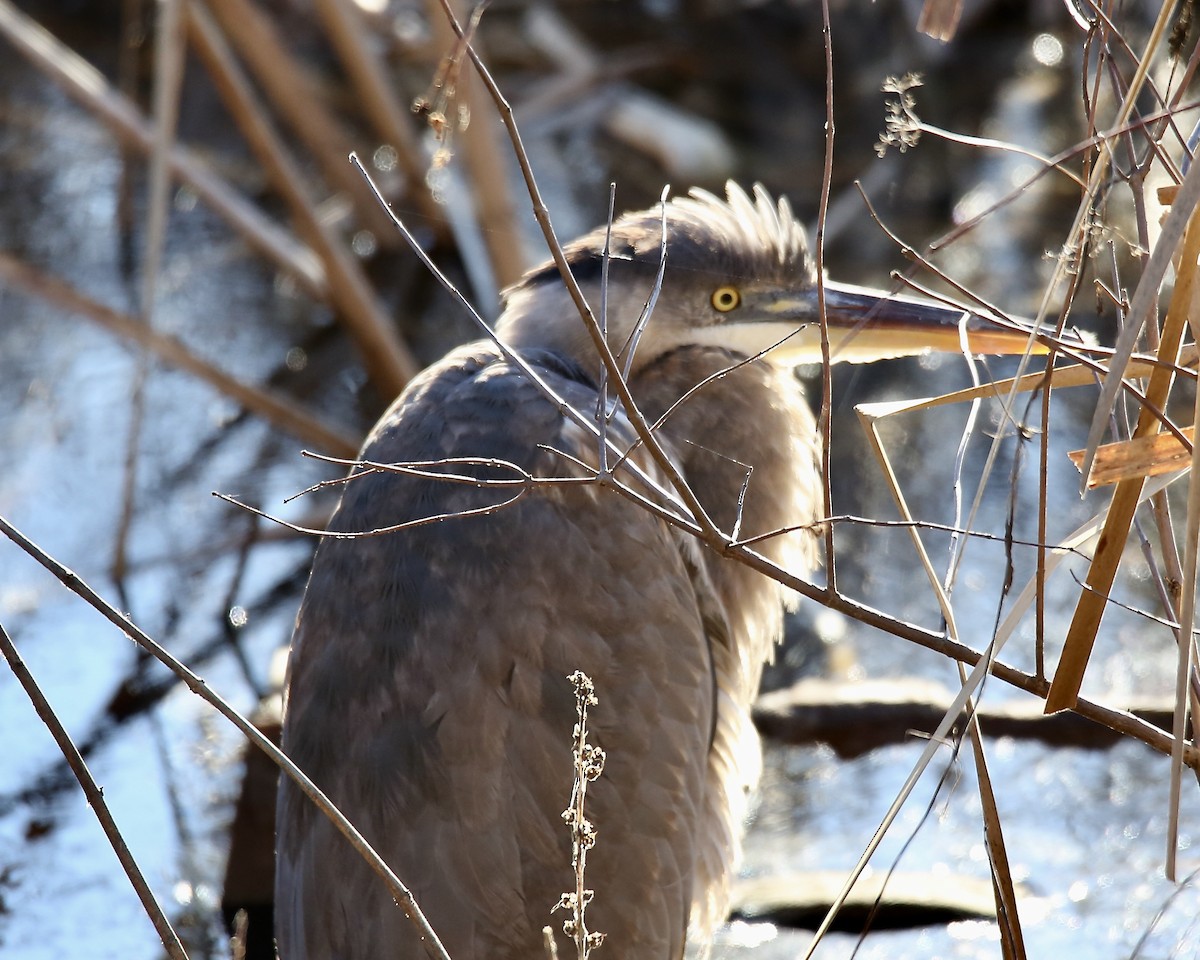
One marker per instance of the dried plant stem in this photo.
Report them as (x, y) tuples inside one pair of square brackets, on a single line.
[(94, 795), (343, 20), (298, 98), (84, 83), (485, 164), (588, 764), (389, 362)]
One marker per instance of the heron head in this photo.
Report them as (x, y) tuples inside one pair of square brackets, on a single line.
[(736, 275)]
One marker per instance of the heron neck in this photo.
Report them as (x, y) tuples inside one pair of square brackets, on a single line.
[(751, 427)]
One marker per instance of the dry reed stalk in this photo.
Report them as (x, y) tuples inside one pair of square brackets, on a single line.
[(485, 162), (939, 18), (80, 80), (391, 119), (1148, 456), (283, 412), (1012, 938), (290, 88), (169, 47), (388, 361), (1093, 601), (1186, 703)]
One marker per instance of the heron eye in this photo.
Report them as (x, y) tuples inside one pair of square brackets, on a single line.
[(725, 298)]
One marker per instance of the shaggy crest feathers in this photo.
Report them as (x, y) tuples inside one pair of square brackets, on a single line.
[(738, 237)]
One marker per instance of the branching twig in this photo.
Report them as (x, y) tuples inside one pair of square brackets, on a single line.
[(400, 893), (677, 481), (94, 795)]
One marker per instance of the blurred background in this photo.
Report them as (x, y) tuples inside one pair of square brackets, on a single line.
[(153, 351)]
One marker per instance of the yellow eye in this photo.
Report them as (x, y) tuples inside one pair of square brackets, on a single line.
[(725, 298)]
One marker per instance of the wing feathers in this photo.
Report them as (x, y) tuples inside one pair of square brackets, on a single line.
[(442, 651)]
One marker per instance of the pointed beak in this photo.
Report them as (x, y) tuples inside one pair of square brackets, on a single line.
[(866, 325)]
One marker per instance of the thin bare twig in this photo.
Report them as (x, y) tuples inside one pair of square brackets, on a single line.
[(424, 469), (1055, 162), (602, 414), (629, 348), (400, 893), (378, 531), (825, 419), (950, 528), (94, 795)]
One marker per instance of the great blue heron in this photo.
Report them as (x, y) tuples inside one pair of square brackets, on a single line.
[(427, 692)]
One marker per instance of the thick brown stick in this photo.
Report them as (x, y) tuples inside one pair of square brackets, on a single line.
[(390, 118), (388, 361), (296, 95)]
